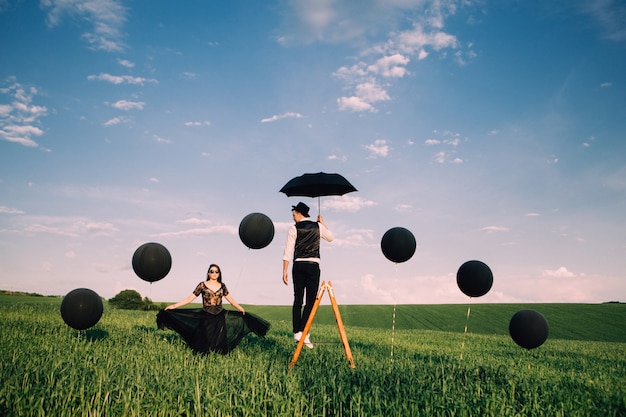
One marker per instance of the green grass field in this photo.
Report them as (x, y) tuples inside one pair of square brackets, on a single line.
[(124, 366)]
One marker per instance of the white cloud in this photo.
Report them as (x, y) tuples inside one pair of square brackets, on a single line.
[(193, 220), (450, 139), (337, 21), (371, 92), (9, 210), (162, 140), (561, 272), (39, 229), (390, 66), (106, 18), (128, 105), (194, 124), (403, 208), (388, 60), (337, 158), (453, 142), (19, 120), (346, 203), (46, 267), (367, 93), (317, 15), (386, 289), (610, 17), (340, 21), (354, 104), (23, 130), (356, 238), (126, 63), (205, 231), (115, 121), (351, 74), (378, 148), (276, 117), (587, 143), (378, 289), (416, 40), (493, 229), (440, 157), (68, 227), (30, 113), (95, 228), (121, 79)]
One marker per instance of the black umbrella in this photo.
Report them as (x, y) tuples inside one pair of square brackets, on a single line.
[(317, 185)]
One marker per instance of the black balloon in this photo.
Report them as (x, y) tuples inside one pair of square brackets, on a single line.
[(256, 230), (398, 244), (152, 261), (474, 278), (81, 308), (528, 328)]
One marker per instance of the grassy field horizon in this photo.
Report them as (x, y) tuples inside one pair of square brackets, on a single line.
[(604, 322), (428, 366)]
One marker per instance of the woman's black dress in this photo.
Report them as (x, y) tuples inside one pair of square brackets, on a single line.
[(212, 328)]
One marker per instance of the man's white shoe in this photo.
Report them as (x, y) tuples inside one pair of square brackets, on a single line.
[(307, 342), (297, 336)]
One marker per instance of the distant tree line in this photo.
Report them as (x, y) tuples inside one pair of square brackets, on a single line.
[(30, 294), (131, 300)]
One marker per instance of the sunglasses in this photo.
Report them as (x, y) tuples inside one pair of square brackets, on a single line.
[(213, 271)]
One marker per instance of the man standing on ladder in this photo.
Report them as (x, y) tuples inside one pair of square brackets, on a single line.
[(303, 246)]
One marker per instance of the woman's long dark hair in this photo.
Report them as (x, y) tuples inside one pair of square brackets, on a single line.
[(219, 277)]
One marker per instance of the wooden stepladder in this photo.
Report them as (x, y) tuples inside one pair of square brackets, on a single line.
[(342, 331)]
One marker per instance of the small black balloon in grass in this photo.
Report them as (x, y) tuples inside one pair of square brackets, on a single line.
[(529, 329), (81, 308)]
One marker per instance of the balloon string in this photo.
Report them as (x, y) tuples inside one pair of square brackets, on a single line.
[(393, 330), (149, 298), (465, 331), (245, 258), (393, 322)]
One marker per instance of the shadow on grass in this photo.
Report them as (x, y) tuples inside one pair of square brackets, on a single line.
[(145, 329), (92, 335)]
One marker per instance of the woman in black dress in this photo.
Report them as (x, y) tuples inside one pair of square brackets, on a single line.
[(211, 328)]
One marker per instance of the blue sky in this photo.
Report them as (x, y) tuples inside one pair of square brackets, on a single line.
[(491, 130)]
